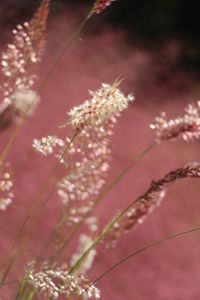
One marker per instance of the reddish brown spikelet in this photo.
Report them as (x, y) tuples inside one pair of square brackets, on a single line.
[(100, 5), (39, 21), (152, 198)]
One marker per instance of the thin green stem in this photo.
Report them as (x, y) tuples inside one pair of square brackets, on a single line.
[(30, 295), (50, 239), (21, 288), (68, 238), (59, 227), (43, 83), (33, 207)]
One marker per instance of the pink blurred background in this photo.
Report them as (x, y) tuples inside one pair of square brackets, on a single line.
[(169, 271)]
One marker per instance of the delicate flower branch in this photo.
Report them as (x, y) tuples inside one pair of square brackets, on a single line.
[(6, 184), (187, 126), (47, 144)]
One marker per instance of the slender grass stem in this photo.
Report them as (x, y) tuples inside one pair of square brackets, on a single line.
[(33, 207), (43, 83), (22, 162), (51, 238), (21, 288), (59, 227), (30, 295), (145, 248)]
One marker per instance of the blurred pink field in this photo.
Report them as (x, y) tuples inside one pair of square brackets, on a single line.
[(171, 270)]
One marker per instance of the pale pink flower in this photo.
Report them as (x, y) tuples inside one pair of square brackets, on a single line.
[(187, 126)]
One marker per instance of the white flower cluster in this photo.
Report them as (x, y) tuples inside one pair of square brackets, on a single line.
[(6, 184), (57, 282), (47, 144), (105, 103), (85, 241), (24, 101)]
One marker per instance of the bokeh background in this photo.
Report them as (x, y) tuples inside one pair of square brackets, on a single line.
[(154, 45)]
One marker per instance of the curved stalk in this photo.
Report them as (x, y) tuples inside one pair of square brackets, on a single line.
[(143, 249)]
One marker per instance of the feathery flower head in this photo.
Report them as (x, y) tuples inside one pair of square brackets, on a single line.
[(6, 184), (100, 5), (55, 282), (188, 126), (105, 103)]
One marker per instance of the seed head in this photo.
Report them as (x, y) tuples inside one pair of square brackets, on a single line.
[(105, 103)]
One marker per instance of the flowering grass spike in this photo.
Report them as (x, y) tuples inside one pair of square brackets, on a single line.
[(105, 103)]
